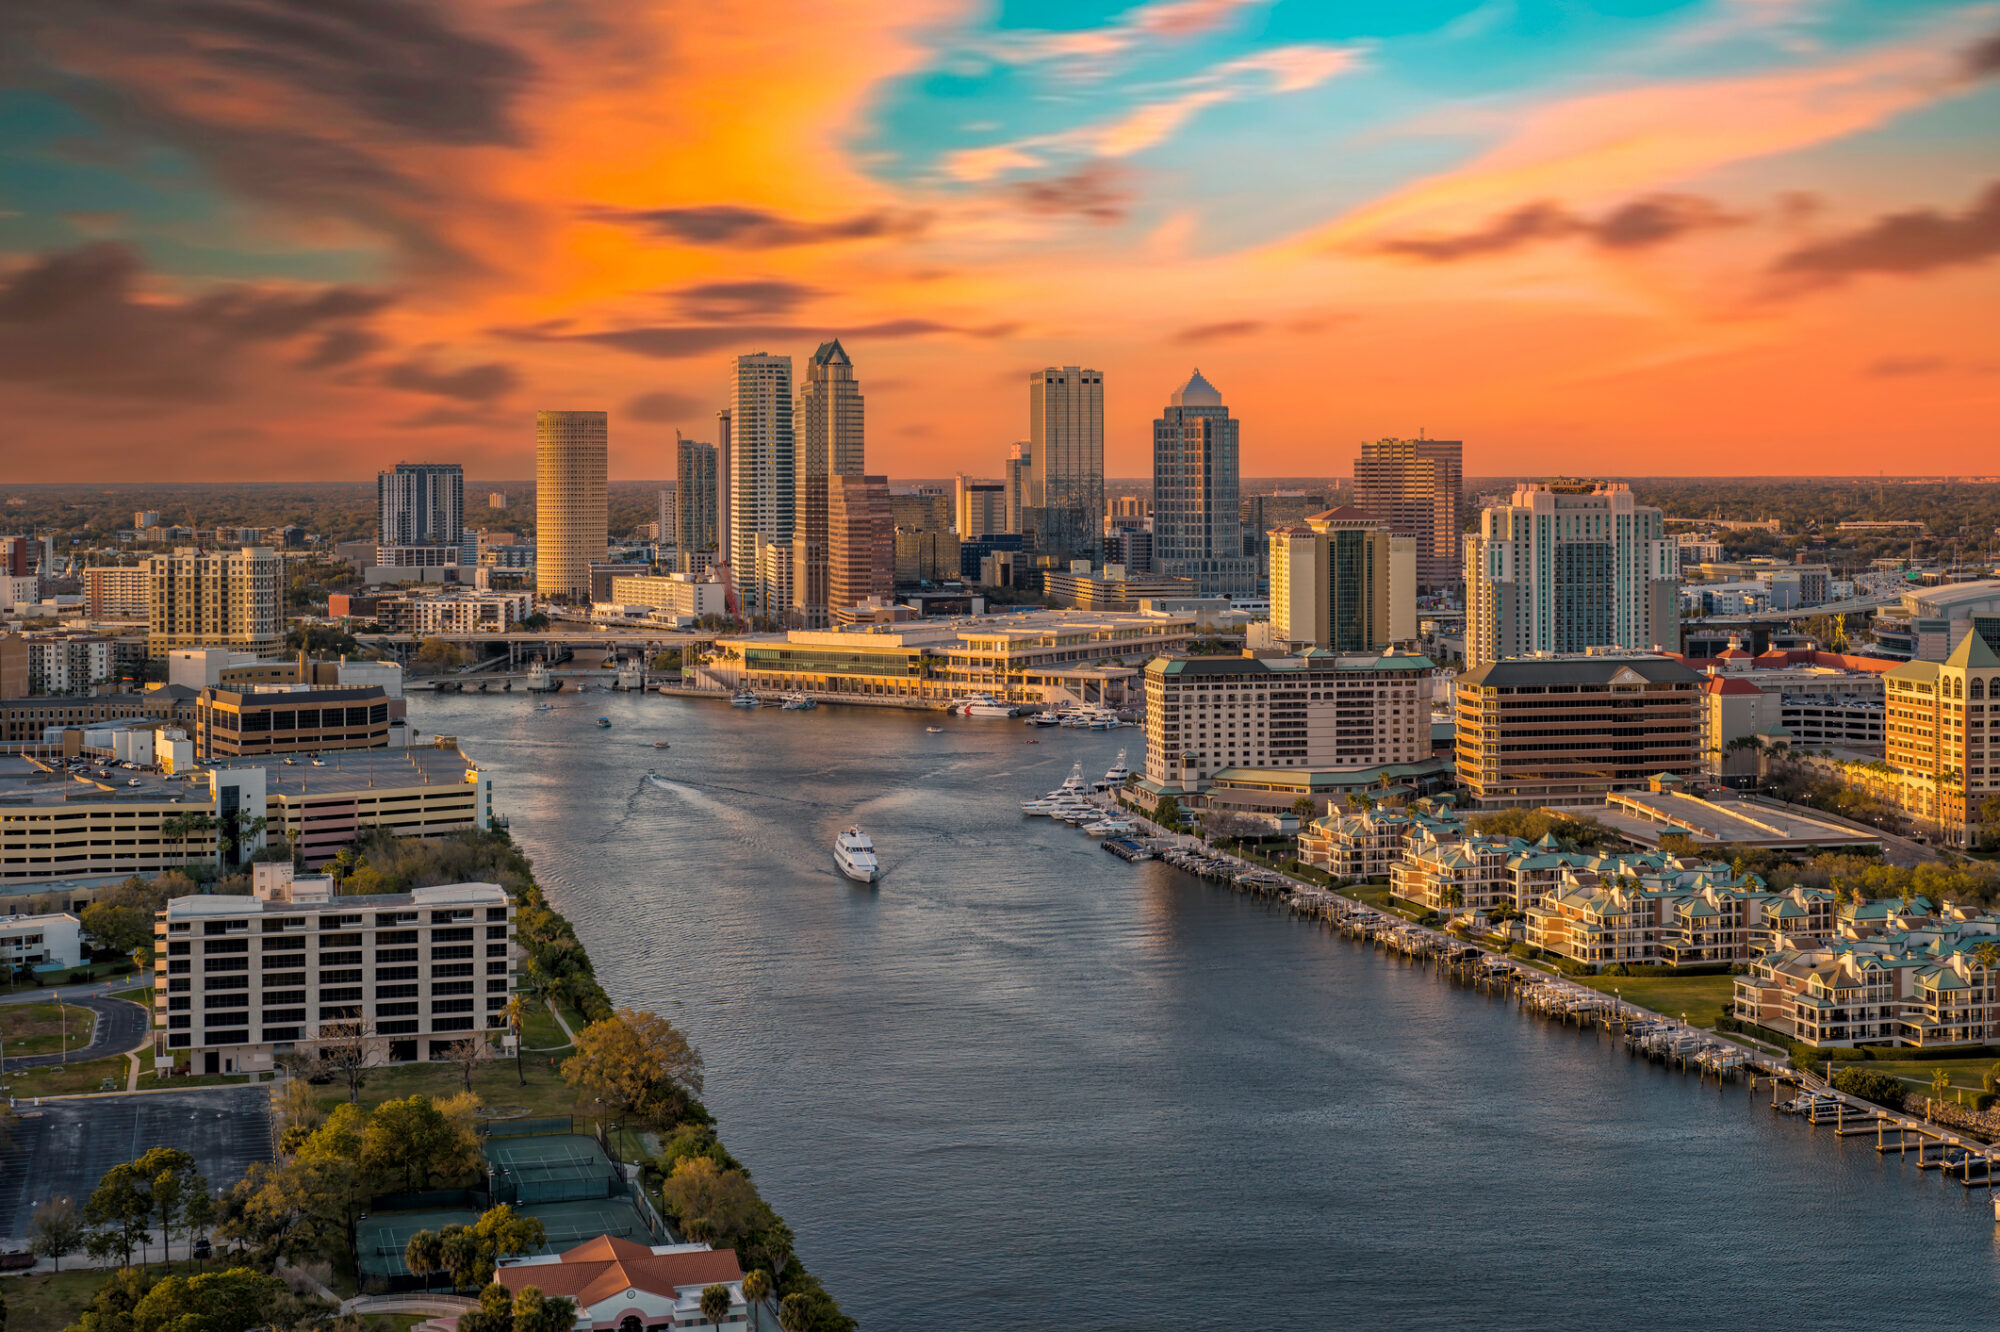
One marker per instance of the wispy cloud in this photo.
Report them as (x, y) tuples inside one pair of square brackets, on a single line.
[(1638, 225), (1920, 240)]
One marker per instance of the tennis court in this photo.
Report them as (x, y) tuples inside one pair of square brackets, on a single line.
[(380, 1239), (555, 1168)]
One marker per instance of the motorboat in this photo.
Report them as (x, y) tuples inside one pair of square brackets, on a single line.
[(1078, 815), (1117, 772), (745, 699), (1074, 783), (1044, 719), (604, 723), (798, 703), (933, 730), (854, 855), (984, 705), (1038, 808), (545, 707), (1111, 827), (661, 744)]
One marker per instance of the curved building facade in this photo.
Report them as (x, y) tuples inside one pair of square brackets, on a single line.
[(570, 519)]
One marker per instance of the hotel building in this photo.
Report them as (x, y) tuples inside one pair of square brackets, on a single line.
[(1568, 566), (1207, 716), (242, 980), (225, 599), (570, 514), (1341, 581), (1567, 730)]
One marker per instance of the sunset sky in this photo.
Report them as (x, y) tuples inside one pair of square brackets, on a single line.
[(282, 239)]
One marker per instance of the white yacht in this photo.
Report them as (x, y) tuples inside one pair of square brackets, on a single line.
[(984, 705), (1111, 826), (1038, 808), (798, 703), (1118, 772), (745, 699), (1074, 783), (855, 856)]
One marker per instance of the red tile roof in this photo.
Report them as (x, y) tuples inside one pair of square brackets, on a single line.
[(598, 1269)]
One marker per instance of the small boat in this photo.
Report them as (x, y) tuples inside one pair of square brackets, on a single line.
[(745, 699), (604, 723), (798, 703), (1043, 719), (933, 730), (545, 707), (854, 855), (661, 744)]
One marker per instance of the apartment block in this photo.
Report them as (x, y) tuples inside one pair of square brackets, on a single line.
[(117, 592), (1342, 581), (1416, 488), (243, 980), (1205, 715), (50, 939), (1566, 730), (221, 599)]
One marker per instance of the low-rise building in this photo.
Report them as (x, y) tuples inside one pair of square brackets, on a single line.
[(52, 939), (623, 1286), (1114, 588), (69, 663), (402, 975), (1568, 729), (676, 594), (295, 719)]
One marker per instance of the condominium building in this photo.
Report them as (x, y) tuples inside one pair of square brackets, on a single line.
[(570, 513), (1061, 512), (1341, 581), (763, 481), (1567, 730), (240, 981), (694, 529), (1197, 525), (458, 611), (1205, 715), (69, 663), (1944, 759), (725, 473), (117, 592), (421, 504), (220, 599), (829, 418), (861, 541), (1416, 488), (1567, 566), (982, 508)]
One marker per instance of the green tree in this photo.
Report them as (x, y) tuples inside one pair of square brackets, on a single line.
[(1168, 813), (715, 1302), (171, 1179), (637, 1063), (413, 1142), (110, 1308), (458, 1251), (56, 1231), (121, 1202), (516, 1014), (494, 1314), (795, 1313), (235, 1300), (1871, 1085), (470, 1253), (113, 924), (536, 1312), (699, 1191), (440, 653)]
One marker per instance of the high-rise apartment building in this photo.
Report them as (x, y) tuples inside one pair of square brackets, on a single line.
[(1341, 581), (1945, 764), (116, 592), (1568, 566), (1063, 513), (861, 541), (421, 504), (570, 512), (1017, 477), (665, 525), (1197, 529), (225, 599), (982, 507), (763, 485), (724, 480), (694, 500), (1416, 487), (829, 420)]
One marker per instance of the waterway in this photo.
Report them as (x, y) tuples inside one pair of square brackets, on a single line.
[(1021, 1083)]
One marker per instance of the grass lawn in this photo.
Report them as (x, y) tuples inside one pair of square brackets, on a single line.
[(1702, 998), (32, 1029), (51, 1301), (142, 996), (1965, 1073), (148, 1082), (545, 1095), (65, 1079), (540, 1032)]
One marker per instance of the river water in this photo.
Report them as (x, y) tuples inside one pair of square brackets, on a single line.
[(1021, 1083)]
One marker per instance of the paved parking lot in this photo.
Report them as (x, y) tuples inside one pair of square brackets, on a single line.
[(62, 1148)]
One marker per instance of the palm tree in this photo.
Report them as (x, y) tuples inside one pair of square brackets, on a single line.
[(1940, 1084), (715, 1303), (756, 1289), (424, 1254), (517, 1016), (795, 1313)]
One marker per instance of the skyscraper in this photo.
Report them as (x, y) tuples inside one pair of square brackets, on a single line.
[(830, 443), (694, 500), (1568, 566), (1063, 516), (421, 504), (861, 541), (1416, 487), (1197, 527), (1019, 475), (763, 493), (1341, 581), (982, 507), (570, 515), (724, 480)]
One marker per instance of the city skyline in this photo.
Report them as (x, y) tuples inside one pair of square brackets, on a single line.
[(1726, 236)]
